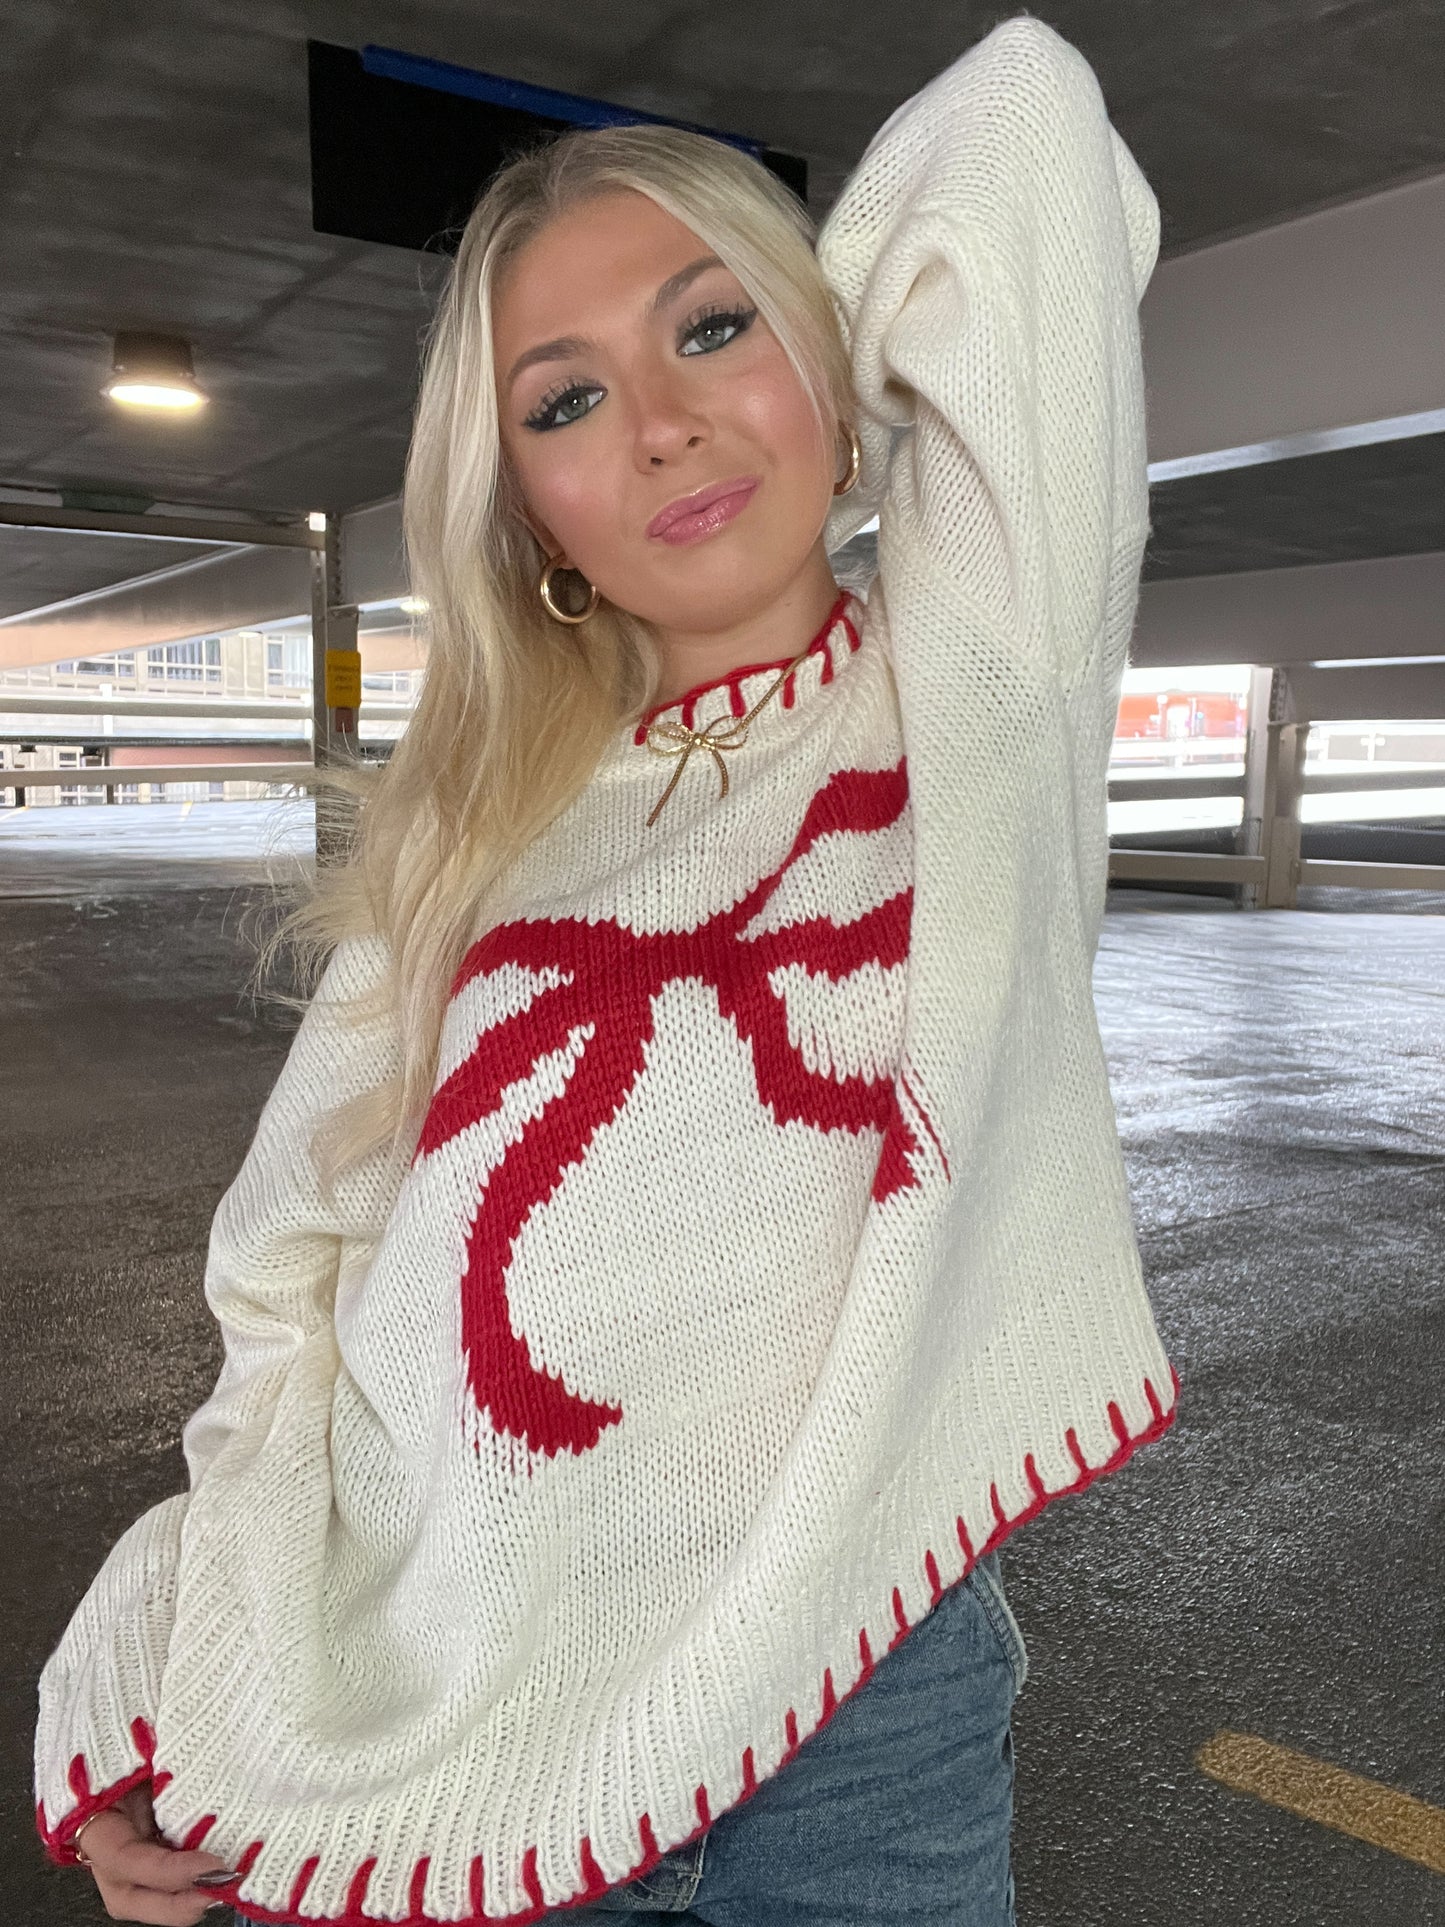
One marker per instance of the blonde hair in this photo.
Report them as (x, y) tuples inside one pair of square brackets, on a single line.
[(516, 709)]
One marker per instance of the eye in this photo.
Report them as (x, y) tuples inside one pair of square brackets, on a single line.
[(560, 406), (714, 328)]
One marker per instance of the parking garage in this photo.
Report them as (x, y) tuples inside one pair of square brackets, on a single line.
[(1234, 1712)]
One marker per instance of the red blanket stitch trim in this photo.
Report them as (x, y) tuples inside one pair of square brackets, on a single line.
[(821, 645), (935, 1584), (56, 1840)]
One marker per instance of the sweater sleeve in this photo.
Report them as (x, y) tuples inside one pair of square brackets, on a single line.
[(989, 253), (270, 1280)]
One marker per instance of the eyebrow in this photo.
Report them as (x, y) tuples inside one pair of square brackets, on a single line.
[(563, 347)]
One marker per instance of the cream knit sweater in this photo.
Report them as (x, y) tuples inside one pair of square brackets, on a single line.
[(766, 1254)]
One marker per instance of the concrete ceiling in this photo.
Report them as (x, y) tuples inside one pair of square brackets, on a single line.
[(156, 177), (1386, 498), (41, 566)]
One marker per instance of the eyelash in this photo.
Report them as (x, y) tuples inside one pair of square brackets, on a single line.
[(742, 319), (718, 314)]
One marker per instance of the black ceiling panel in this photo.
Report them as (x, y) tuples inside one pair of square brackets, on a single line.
[(402, 164)]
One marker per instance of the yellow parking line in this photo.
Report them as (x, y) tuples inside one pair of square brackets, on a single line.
[(1365, 1809)]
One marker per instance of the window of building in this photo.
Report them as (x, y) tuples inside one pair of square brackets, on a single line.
[(288, 662), (197, 661)]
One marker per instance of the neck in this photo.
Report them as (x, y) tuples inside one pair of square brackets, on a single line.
[(785, 627)]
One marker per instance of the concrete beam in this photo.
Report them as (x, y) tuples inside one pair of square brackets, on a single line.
[(373, 568), (161, 528), (1397, 691), (1330, 319), (1394, 606), (237, 590)]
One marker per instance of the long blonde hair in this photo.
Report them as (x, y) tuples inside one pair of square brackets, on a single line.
[(516, 709)]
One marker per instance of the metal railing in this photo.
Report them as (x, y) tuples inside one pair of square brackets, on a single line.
[(116, 776), (113, 776), (255, 708), (1254, 870), (1267, 868)]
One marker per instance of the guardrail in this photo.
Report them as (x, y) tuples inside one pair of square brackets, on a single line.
[(1196, 866), (115, 775), (1371, 876), (1266, 870), (65, 702), (1266, 878), (1184, 866)]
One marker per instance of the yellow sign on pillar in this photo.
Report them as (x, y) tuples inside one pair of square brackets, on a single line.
[(343, 679)]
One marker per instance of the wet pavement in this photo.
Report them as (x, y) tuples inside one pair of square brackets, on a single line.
[(1273, 1567), (101, 849)]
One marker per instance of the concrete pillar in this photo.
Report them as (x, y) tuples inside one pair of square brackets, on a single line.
[(1260, 763), (334, 722), (251, 645), (1274, 755), (96, 759), (1281, 884)]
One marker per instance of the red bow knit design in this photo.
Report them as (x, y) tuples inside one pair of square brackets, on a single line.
[(610, 979)]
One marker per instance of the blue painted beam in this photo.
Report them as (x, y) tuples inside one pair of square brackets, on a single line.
[(548, 102)]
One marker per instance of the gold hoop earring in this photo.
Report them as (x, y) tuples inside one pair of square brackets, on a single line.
[(855, 463), (551, 605)]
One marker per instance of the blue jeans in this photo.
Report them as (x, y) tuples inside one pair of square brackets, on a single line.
[(898, 1810)]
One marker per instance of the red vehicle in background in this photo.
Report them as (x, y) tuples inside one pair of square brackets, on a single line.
[(1174, 715)]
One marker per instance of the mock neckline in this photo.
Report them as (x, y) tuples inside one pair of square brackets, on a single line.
[(840, 631)]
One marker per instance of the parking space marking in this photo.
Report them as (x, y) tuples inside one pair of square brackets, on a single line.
[(1364, 1809)]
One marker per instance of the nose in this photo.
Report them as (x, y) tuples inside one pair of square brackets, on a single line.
[(668, 424)]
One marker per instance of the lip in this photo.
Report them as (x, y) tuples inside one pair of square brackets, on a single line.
[(684, 518)]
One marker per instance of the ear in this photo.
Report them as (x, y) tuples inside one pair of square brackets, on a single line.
[(510, 490), (541, 534)]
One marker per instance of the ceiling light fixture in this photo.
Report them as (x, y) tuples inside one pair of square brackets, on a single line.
[(153, 371)]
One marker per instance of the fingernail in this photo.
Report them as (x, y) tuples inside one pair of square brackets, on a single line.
[(215, 1878), (215, 1904)]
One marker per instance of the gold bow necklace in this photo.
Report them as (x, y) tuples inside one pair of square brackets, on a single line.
[(722, 733)]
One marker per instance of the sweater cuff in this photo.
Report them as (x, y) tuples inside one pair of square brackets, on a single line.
[(98, 1691), (58, 1838)]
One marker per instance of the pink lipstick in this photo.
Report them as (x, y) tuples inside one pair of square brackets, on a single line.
[(691, 517)]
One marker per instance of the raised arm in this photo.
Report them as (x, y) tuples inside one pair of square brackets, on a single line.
[(989, 253), (270, 1279), (990, 250)]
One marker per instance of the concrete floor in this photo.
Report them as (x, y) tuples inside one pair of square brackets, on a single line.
[(1274, 1567)]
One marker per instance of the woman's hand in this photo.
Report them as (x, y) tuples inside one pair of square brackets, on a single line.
[(139, 1876)]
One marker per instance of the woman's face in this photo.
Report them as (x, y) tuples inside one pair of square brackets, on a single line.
[(633, 372)]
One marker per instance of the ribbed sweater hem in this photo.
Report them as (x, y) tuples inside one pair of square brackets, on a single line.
[(57, 1840)]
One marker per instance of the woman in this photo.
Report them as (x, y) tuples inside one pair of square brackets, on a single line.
[(716, 1239)]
